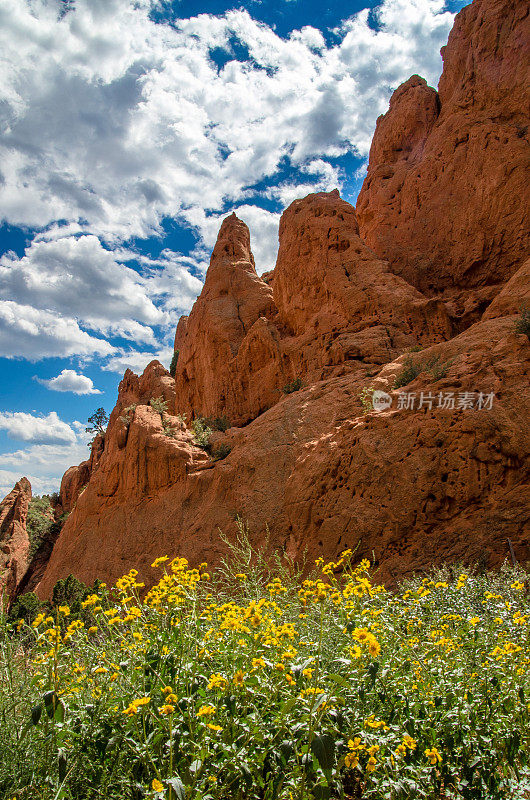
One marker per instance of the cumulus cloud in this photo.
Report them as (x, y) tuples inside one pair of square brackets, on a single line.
[(31, 333), (137, 360), (117, 131), (68, 380), (37, 429), (43, 464)]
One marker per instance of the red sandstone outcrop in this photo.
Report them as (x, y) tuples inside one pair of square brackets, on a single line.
[(233, 307), (14, 540), (443, 207), (76, 478), (334, 306), (406, 487), (446, 196)]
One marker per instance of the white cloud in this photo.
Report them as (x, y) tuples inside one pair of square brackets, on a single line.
[(137, 360), (28, 332), (115, 130), (68, 380), (43, 464), (36, 429), (127, 121)]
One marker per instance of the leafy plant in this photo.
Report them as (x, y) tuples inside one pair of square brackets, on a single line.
[(292, 386), (221, 423), (128, 414), (159, 405), (436, 368), (201, 433), (39, 520), (221, 451), (366, 399), (168, 429), (522, 325), (408, 372), (173, 365)]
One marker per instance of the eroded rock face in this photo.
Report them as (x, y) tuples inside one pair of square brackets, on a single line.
[(233, 300), (14, 540), (76, 478), (411, 488), (446, 195), (326, 280), (334, 306)]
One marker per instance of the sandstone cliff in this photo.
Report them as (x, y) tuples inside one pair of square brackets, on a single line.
[(416, 293), (446, 196), (14, 541)]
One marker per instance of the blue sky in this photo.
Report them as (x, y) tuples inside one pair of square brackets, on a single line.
[(127, 131)]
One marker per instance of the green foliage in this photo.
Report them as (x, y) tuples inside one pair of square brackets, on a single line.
[(159, 405), (436, 368), (221, 451), (168, 429), (218, 423), (25, 607), (70, 592), (128, 414), (173, 365), (365, 397), (39, 521), (408, 372), (260, 683), (201, 432), (522, 325), (292, 386), (97, 424)]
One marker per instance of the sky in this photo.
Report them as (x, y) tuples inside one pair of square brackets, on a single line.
[(128, 130)]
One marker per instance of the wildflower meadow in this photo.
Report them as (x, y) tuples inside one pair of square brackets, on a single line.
[(258, 682)]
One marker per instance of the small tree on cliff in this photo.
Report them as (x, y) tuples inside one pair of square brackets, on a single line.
[(97, 424), (173, 365)]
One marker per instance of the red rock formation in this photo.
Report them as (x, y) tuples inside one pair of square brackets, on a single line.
[(14, 540), (233, 301), (407, 487), (411, 488), (334, 306), (76, 478), (446, 195)]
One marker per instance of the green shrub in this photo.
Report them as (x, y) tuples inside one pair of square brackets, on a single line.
[(366, 399), (436, 368), (159, 405), (173, 365), (522, 325), (408, 372), (201, 433), (25, 607), (293, 386), (39, 521), (218, 423), (168, 429), (128, 414), (220, 452)]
